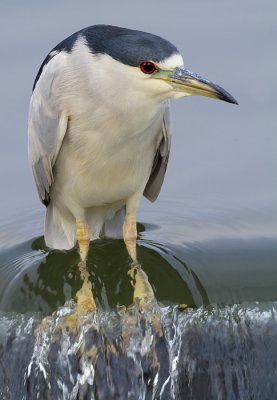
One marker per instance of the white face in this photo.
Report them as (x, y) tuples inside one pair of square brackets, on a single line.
[(143, 85), (172, 62), (158, 89), (124, 83)]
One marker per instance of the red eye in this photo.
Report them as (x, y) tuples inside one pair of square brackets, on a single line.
[(148, 67)]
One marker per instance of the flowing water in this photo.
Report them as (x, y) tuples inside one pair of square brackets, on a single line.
[(208, 245), (211, 333), (164, 353)]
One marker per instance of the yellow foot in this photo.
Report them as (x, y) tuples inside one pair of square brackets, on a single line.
[(85, 304), (143, 292), (85, 299)]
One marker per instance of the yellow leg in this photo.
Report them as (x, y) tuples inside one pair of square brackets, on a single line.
[(143, 291), (85, 299), (83, 238), (130, 235)]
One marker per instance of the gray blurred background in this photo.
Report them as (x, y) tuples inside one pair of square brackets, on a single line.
[(223, 157)]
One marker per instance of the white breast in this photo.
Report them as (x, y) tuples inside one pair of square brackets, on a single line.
[(113, 132), (98, 167)]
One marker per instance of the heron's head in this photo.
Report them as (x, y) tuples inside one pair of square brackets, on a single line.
[(144, 65)]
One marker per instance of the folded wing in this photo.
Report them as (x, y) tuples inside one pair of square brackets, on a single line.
[(47, 123), (156, 179)]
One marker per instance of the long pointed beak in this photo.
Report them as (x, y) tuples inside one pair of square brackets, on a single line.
[(190, 83)]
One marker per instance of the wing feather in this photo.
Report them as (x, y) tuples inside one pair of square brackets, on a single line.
[(154, 184), (47, 124)]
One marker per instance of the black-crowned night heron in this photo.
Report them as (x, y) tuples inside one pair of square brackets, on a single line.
[(99, 133)]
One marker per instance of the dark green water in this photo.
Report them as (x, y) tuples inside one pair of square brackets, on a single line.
[(225, 269)]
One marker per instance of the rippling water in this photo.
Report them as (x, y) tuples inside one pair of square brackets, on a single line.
[(187, 260), (222, 346)]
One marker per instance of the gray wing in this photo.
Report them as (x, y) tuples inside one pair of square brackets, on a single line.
[(154, 184), (47, 124)]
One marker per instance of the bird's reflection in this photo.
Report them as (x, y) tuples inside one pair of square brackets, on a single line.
[(48, 284)]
